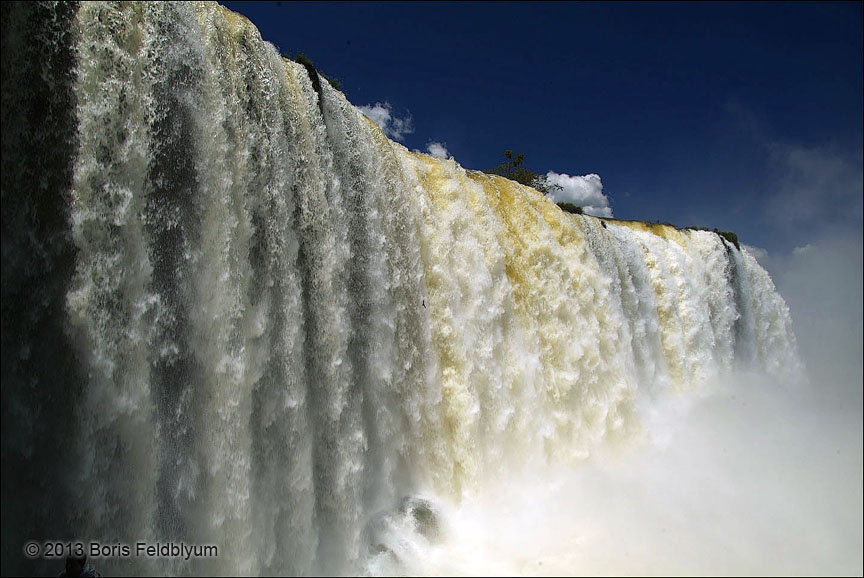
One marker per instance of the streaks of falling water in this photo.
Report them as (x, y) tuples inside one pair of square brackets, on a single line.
[(251, 320)]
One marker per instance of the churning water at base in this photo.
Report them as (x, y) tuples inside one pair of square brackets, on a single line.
[(745, 480), (234, 313)]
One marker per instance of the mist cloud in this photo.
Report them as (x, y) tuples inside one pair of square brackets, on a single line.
[(821, 282), (750, 478), (816, 184)]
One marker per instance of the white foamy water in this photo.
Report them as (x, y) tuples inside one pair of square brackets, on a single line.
[(278, 332)]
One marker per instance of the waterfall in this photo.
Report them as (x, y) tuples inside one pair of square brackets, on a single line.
[(236, 314)]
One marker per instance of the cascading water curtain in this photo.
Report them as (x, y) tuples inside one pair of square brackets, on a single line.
[(235, 314)]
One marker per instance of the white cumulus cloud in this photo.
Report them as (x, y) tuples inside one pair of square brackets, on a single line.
[(437, 149), (392, 126), (584, 191)]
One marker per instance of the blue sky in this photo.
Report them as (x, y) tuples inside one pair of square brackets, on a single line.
[(741, 116)]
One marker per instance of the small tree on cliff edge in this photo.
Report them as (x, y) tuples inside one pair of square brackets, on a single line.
[(512, 169), (305, 61)]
